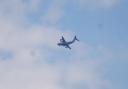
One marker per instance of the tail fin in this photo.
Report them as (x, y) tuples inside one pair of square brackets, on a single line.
[(76, 38)]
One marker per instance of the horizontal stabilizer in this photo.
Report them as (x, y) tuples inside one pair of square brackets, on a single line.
[(76, 38)]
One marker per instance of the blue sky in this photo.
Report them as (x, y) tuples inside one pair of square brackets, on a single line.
[(30, 58)]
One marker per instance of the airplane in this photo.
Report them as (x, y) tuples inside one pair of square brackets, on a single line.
[(65, 43)]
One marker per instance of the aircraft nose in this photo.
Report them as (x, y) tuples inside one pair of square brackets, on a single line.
[(58, 44)]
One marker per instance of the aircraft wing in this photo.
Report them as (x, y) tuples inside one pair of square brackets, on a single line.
[(63, 40), (67, 46)]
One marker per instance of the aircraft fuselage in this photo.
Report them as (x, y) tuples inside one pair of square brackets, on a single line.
[(65, 43)]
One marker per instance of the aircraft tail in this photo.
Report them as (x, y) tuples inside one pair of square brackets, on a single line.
[(75, 38)]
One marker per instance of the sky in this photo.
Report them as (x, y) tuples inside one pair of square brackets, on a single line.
[(31, 59)]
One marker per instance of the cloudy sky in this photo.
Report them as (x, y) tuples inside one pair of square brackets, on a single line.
[(31, 59)]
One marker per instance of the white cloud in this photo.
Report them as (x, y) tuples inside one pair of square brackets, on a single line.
[(55, 11), (25, 71)]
